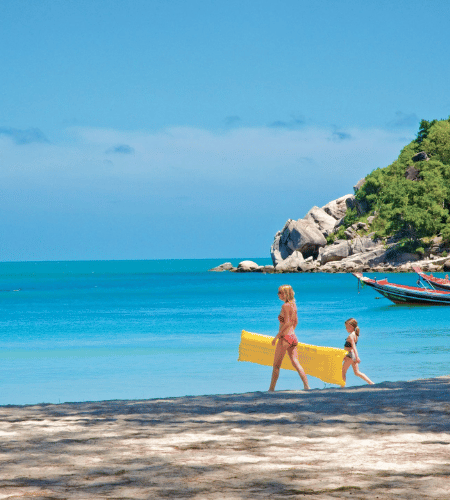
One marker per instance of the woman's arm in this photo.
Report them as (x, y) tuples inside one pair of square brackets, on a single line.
[(284, 325)]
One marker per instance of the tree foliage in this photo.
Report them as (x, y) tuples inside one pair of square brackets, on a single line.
[(413, 208)]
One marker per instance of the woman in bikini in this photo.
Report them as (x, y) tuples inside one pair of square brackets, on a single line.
[(287, 341), (352, 357)]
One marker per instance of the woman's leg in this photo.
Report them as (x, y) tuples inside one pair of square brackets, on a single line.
[(293, 355), (345, 366), (360, 374), (280, 351)]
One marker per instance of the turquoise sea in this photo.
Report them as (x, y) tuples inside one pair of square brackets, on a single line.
[(85, 331)]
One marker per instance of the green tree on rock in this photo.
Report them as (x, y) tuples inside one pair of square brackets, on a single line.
[(413, 208)]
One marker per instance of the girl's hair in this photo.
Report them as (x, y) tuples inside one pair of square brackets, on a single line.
[(288, 293), (353, 322)]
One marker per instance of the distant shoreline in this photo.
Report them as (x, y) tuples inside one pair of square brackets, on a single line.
[(438, 264)]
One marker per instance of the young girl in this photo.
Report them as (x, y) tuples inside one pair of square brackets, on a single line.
[(287, 341), (352, 357)]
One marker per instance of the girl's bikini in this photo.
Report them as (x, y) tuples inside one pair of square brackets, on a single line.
[(350, 354)]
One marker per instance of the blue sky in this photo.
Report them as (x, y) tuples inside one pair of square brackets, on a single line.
[(193, 129)]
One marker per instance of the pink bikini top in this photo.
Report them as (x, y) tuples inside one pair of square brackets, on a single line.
[(294, 311)]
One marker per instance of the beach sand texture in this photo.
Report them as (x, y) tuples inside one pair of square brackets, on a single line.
[(388, 441)]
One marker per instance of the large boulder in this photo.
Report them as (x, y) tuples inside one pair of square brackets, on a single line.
[(300, 235), (397, 258), (292, 263), (279, 250), (412, 174), (370, 258), (436, 244), (247, 265), (341, 249), (422, 156), (305, 237), (363, 244), (337, 208), (357, 261), (325, 222), (308, 266), (338, 251)]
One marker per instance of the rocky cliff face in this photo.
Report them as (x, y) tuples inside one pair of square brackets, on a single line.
[(305, 240), (308, 235)]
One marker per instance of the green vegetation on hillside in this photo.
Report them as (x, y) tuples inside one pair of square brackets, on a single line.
[(412, 210)]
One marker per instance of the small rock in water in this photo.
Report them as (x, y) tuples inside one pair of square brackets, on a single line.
[(226, 266)]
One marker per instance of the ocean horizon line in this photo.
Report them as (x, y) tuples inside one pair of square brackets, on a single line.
[(107, 267), (127, 260)]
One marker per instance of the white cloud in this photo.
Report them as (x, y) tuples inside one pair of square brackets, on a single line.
[(250, 156), (245, 149)]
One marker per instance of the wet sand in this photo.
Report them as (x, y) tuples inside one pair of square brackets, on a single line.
[(387, 441)]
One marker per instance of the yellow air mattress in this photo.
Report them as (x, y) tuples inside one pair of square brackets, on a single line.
[(324, 363)]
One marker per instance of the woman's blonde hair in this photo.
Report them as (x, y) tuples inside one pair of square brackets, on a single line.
[(354, 323), (288, 293)]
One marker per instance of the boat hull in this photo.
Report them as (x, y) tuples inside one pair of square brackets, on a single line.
[(402, 294)]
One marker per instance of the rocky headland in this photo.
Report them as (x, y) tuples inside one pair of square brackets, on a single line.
[(309, 245), (396, 217)]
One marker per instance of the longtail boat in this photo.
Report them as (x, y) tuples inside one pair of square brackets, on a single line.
[(403, 294), (440, 283)]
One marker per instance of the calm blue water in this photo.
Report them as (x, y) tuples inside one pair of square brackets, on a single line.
[(84, 331)]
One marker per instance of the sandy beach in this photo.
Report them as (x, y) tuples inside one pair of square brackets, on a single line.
[(387, 441)]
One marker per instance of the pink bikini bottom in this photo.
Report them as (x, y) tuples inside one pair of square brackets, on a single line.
[(291, 339)]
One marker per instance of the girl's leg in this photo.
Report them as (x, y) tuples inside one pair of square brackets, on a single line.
[(360, 374), (293, 355), (280, 351), (345, 366)]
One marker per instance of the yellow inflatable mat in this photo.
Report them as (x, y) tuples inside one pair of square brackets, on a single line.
[(325, 363)]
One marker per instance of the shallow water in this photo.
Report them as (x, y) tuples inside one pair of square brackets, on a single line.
[(83, 331)]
